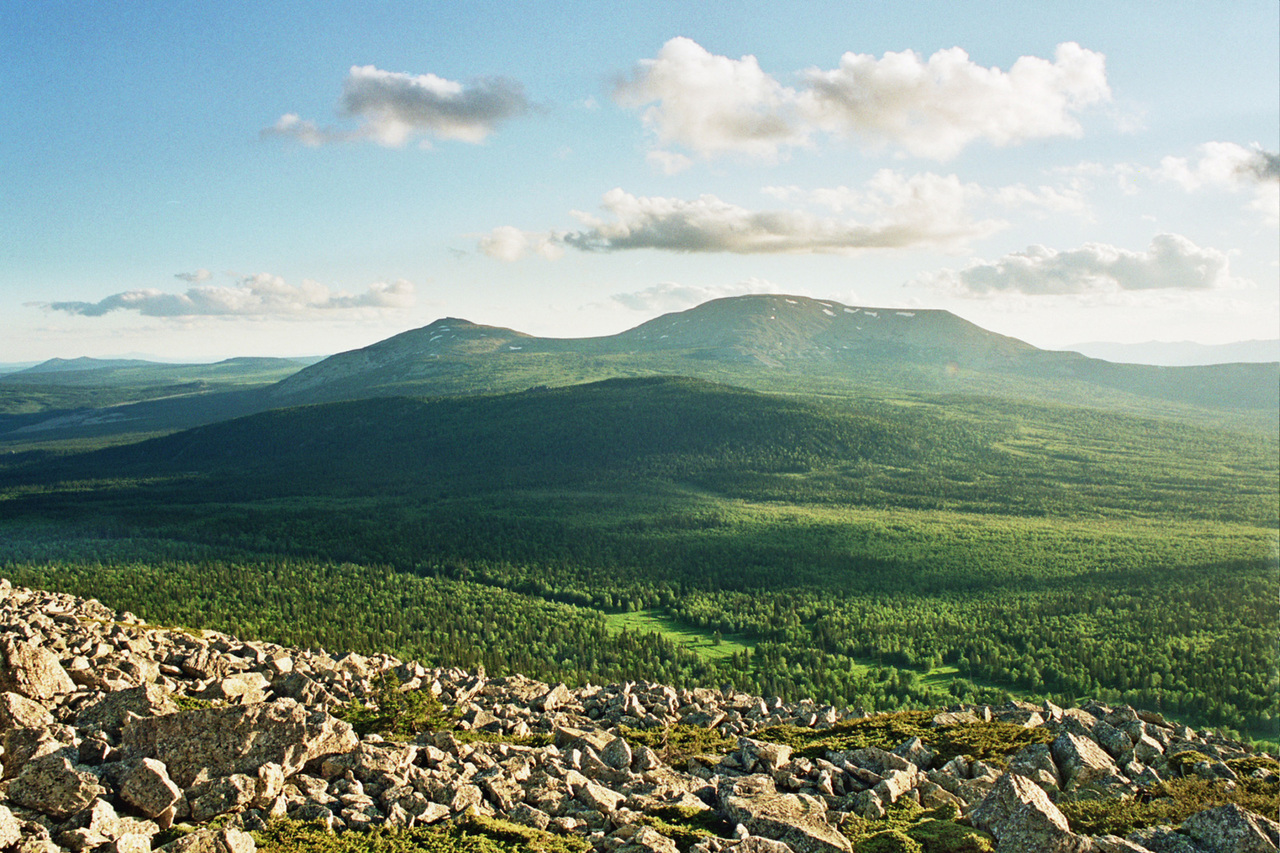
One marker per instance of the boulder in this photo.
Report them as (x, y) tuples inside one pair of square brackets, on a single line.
[(238, 739), (1080, 760), (54, 786), (114, 709), (146, 786), (32, 671), (799, 821), (19, 712), (1231, 829), (1022, 818), (213, 841), (10, 828)]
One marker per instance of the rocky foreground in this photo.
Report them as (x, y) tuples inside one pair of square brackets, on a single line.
[(116, 732)]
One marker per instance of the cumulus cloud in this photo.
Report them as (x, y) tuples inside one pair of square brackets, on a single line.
[(1171, 263), (392, 108), (1230, 167), (672, 296), (259, 295), (931, 107), (893, 213), (507, 243)]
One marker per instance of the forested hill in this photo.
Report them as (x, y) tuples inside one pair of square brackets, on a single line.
[(761, 341), (651, 434), (657, 427)]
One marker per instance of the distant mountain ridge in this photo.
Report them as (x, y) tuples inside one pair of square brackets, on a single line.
[(755, 340), (1181, 353)]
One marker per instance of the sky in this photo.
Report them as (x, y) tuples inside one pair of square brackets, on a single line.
[(195, 181)]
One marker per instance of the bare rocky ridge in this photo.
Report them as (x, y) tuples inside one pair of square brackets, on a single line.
[(112, 731)]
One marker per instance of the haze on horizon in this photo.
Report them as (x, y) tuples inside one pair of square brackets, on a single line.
[(201, 182)]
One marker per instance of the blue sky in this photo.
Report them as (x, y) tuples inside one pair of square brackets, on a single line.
[(197, 181)]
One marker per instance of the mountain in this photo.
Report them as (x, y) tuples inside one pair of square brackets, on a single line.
[(760, 341), (66, 365), (1181, 353)]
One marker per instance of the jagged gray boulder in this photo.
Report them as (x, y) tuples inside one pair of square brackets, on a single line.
[(17, 712), (52, 785), (146, 786), (114, 709), (1022, 818), (213, 841), (32, 671), (10, 828), (1081, 761), (797, 820), (1231, 829)]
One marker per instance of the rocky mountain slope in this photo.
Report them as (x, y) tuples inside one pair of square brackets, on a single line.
[(121, 736)]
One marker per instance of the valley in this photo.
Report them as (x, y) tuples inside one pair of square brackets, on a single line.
[(930, 518)]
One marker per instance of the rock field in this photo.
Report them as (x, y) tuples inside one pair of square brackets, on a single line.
[(113, 732)]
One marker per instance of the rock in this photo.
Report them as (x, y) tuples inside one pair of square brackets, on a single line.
[(1231, 829), (797, 820), (52, 785), (10, 828), (114, 709), (19, 712), (915, 751), (617, 754), (1022, 818), (1115, 844), (213, 841), (221, 795), (1035, 762), (1080, 760), (238, 739), (147, 787), (756, 844), (32, 671), (1162, 839)]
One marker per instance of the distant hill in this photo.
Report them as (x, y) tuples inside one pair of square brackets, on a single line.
[(1181, 353), (67, 365), (760, 341)]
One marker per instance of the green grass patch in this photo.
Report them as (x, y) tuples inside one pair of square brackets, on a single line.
[(1174, 802), (477, 835), (907, 828), (992, 742), (677, 744), (708, 645)]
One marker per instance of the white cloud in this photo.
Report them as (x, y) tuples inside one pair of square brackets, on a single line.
[(932, 108), (668, 162), (672, 296), (713, 104), (1171, 263), (1229, 167), (894, 212), (195, 277), (259, 295), (392, 108), (507, 243)]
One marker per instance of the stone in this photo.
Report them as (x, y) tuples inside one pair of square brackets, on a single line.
[(52, 785), (1162, 839), (1080, 760), (213, 841), (617, 754), (10, 828), (238, 739), (915, 751), (1232, 829), (109, 714), (796, 820), (1022, 818), (221, 795), (146, 786), (756, 844), (1035, 762), (32, 671), (19, 712)]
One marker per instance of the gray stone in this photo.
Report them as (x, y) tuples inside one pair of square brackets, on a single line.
[(1231, 829), (19, 712), (799, 821), (10, 828), (213, 841), (109, 714), (146, 786), (52, 785), (1022, 818), (617, 754), (1035, 762), (915, 751), (1080, 760), (32, 671), (1163, 839), (238, 739)]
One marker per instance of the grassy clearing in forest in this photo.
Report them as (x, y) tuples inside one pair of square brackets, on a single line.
[(702, 643)]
